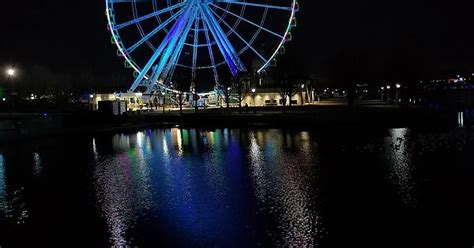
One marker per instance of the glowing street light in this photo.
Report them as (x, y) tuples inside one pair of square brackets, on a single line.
[(11, 72), (398, 86), (164, 101), (388, 87), (253, 90)]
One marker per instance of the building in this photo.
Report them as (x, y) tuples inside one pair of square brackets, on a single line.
[(271, 97)]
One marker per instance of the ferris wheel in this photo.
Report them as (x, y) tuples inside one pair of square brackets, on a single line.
[(214, 37)]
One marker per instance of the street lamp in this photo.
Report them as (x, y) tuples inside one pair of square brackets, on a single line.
[(11, 72), (397, 92), (164, 101), (253, 95), (302, 94)]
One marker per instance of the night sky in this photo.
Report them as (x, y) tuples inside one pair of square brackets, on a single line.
[(407, 35)]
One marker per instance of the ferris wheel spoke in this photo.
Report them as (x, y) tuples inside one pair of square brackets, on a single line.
[(231, 57), (156, 30), (176, 42), (250, 22), (148, 16), (242, 39), (211, 54), (245, 3), (171, 37), (195, 47)]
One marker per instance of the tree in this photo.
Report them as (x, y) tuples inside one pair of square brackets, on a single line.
[(226, 89), (288, 78), (180, 87), (241, 83), (288, 88)]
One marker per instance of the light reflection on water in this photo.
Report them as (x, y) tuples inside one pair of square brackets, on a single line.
[(197, 182), (233, 187), (123, 187), (399, 154), (284, 177), (2, 186), (37, 167)]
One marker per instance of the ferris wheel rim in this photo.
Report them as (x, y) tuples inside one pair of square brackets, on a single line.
[(116, 37)]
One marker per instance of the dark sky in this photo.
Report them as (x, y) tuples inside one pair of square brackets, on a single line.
[(69, 35)]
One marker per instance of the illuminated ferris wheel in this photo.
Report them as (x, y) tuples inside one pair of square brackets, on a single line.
[(214, 37)]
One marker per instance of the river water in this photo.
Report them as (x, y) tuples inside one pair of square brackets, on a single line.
[(240, 188)]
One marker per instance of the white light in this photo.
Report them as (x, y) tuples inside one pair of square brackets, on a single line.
[(382, 88), (302, 86), (11, 72), (398, 86), (228, 88), (4, 99), (388, 87), (91, 96), (163, 93)]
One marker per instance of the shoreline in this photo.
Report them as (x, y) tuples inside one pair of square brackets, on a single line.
[(36, 126)]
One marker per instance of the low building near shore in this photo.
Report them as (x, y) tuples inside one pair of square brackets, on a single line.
[(133, 101), (270, 97)]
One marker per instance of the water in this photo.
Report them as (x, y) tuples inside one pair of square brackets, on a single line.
[(240, 188)]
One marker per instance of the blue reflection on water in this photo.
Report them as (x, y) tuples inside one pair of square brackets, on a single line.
[(202, 184)]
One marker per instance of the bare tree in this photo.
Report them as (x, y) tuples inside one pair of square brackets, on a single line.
[(226, 89), (241, 84), (180, 87), (288, 88), (288, 77)]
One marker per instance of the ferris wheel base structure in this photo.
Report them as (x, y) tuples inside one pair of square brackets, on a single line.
[(157, 37)]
